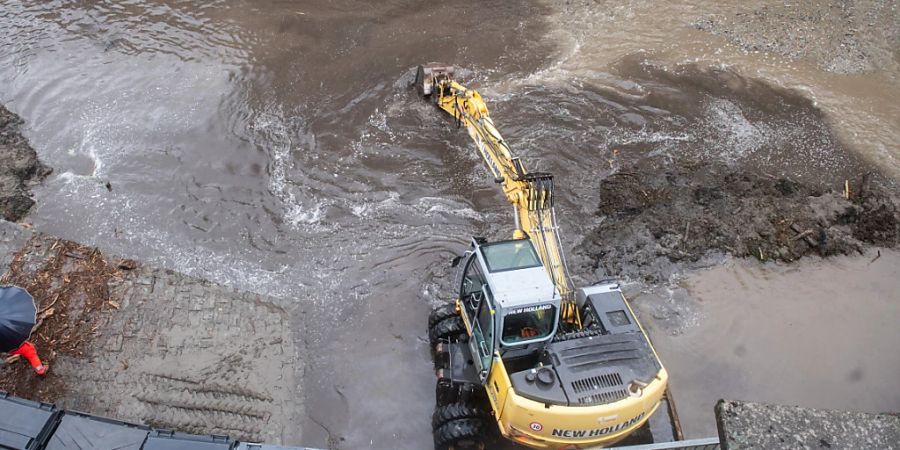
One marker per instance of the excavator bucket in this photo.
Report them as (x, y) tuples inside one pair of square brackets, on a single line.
[(426, 75)]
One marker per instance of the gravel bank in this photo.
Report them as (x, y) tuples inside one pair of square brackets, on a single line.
[(749, 425), (19, 168), (838, 36)]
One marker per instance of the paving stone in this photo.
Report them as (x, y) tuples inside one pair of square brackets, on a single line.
[(182, 353)]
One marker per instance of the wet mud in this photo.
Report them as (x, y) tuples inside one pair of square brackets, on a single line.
[(660, 218), (19, 168)]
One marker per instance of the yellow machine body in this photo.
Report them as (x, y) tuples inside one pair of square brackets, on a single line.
[(568, 427), (528, 422)]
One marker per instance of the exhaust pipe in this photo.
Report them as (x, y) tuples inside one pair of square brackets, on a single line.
[(428, 74)]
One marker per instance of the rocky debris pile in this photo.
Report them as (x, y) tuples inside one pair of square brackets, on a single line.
[(658, 219), (839, 36), (749, 425), (19, 167)]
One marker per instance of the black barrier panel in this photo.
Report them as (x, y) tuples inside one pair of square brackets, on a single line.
[(249, 446), (170, 440), (80, 431), (25, 424)]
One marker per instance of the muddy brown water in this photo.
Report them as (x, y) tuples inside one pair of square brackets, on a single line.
[(277, 147), (772, 334)]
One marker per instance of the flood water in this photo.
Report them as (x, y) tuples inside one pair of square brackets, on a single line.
[(773, 334), (278, 147)]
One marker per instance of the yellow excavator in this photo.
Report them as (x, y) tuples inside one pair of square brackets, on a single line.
[(552, 366)]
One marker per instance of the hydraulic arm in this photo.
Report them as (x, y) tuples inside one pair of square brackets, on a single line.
[(530, 193)]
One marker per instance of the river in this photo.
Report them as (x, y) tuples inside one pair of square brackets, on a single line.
[(277, 147)]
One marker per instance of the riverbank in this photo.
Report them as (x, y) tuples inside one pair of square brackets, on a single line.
[(153, 346), (19, 168), (140, 343)]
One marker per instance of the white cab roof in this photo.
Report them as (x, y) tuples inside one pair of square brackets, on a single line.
[(521, 286)]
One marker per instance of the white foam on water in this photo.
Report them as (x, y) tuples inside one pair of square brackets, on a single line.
[(739, 137), (100, 134), (424, 207), (371, 209), (223, 268), (78, 181), (655, 137), (297, 209), (553, 73), (379, 121), (361, 210), (438, 205)]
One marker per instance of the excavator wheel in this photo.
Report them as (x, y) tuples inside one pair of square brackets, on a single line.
[(462, 434), (440, 313), (456, 411), (447, 329)]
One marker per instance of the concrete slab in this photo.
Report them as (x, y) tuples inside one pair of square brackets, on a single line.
[(168, 350)]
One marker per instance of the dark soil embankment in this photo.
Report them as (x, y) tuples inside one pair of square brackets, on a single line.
[(19, 167), (659, 219)]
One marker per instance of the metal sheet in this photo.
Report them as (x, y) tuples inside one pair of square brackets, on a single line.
[(82, 431), (25, 424)]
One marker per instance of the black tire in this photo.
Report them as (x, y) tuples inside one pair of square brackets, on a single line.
[(441, 312), (463, 434), (456, 411), (449, 328), (445, 393)]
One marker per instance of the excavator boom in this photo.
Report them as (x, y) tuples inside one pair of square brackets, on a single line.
[(530, 193)]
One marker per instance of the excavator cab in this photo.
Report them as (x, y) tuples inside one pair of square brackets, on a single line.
[(507, 300)]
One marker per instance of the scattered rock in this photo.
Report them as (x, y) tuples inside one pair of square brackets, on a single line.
[(749, 425)]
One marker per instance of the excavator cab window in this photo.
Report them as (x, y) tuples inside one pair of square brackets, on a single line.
[(483, 333), (510, 255), (472, 289), (528, 323), (475, 294)]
